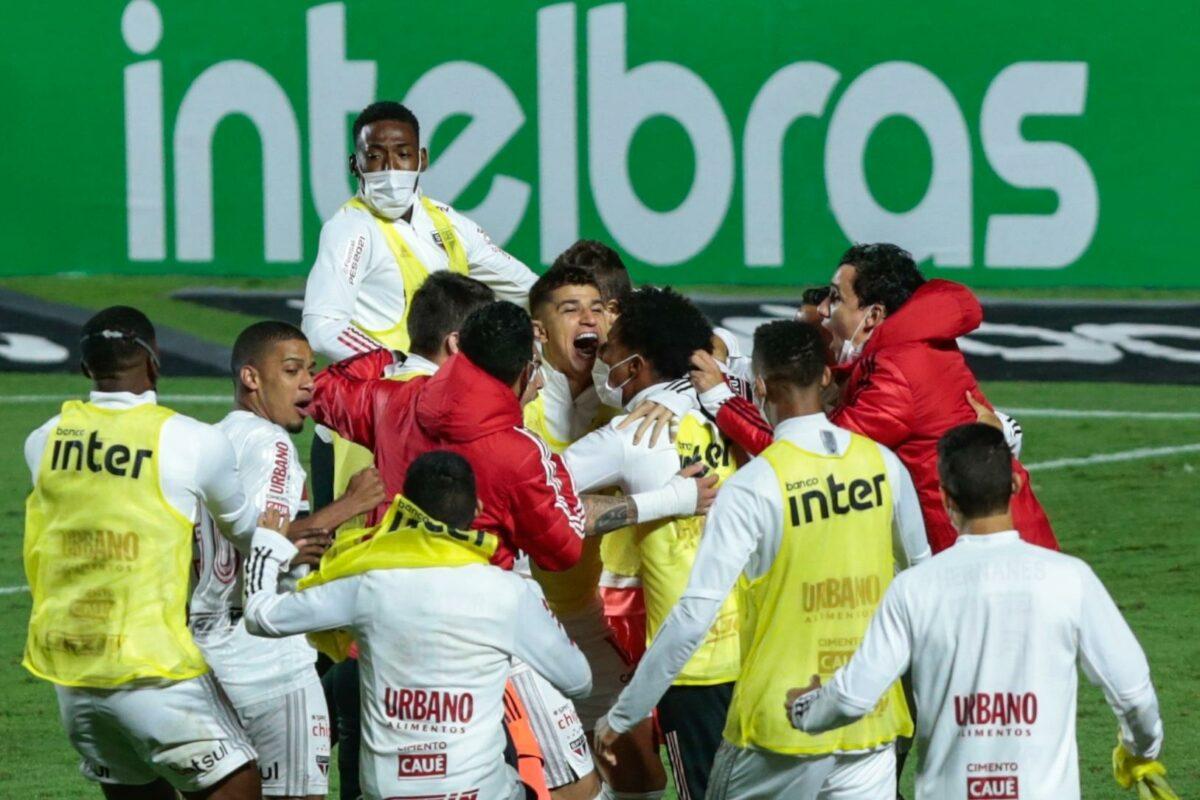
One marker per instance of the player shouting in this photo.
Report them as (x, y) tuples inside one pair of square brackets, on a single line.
[(436, 626), (995, 681), (273, 685)]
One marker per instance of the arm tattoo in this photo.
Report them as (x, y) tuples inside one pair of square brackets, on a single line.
[(605, 513)]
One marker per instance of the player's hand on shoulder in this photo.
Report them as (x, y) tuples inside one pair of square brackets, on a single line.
[(652, 419), (365, 490)]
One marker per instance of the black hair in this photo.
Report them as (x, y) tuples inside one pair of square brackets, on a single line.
[(790, 352), (886, 274), (604, 264), (115, 340), (498, 338), (253, 342), (389, 110), (442, 485), (664, 327), (439, 308), (814, 295), (556, 277), (975, 467)]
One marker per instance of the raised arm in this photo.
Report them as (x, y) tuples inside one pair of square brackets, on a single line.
[(345, 395)]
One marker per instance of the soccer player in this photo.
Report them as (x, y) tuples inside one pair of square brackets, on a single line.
[(437, 627), (810, 534), (118, 483), (996, 679), (472, 406), (904, 380), (568, 319), (378, 249), (646, 352), (273, 685)]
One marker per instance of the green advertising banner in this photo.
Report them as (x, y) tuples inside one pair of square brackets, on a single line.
[(1005, 144)]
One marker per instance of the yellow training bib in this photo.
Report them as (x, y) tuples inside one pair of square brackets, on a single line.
[(573, 590), (668, 552), (106, 556), (412, 271), (808, 613)]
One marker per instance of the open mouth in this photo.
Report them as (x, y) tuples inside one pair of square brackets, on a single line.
[(587, 343), (302, 406)]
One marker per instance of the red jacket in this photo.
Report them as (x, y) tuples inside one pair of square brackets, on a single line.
[(906, 390), (526, 491)]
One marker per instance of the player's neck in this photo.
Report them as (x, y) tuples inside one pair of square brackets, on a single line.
[(252, 402), (799, 404), (577, 382), (981, 526), (124, 383)]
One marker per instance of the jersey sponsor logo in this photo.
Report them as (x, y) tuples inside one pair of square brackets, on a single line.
[(468, 794), (566, 718), (579, 746), (847, 592), (268, 773), (993, 787), (830, 661), (821, 500), (74, 644), (279, 469), (96, 604), (320, 725), (323, 765), (425, 705), (996, 713), (100, 545), (205, 763), (352, 256), (116, 459), (429, 765)]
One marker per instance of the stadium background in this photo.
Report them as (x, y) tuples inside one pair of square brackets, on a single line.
[(180, 157)]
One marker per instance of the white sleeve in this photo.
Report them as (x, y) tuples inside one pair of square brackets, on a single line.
[(266, 472), (219, 482), (882, 656), (1113, 660), (731, 535), (541, 642), (910, 544), (268, 613), (597, 460), (35, 446), (487, 262), (343, 254)]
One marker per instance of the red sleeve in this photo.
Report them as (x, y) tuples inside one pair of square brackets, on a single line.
[(548, 517), (740, 420), (344, 396), (881, 408)]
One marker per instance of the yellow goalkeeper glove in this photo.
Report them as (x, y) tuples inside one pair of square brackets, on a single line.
[(1147, 775)]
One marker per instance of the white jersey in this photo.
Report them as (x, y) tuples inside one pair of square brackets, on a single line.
[(249, 668), (435, 649), (743, 534), (197, 471), (994, 629), (355, 276)]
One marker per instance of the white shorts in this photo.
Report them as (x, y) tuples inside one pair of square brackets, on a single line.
[(556, 726), (291, 735), (610, 670), (741, 774), (185, 733)]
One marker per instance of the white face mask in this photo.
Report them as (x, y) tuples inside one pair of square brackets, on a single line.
[(609, 395), (851, 351), (390, 192), (760, 400)]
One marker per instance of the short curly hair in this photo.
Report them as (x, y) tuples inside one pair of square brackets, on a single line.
[(498, 338), (389, 110), (886, 274), (790, 352), (664, 327)]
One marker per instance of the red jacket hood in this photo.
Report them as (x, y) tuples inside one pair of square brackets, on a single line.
[(462, 403), (938, 311)]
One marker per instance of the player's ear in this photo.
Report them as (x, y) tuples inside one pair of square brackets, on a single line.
[(450, 343), (248, 376), (539, 332), (875, 315), (1017, 483), (424, 160), (83, 367), (352, 163), (826, 377)]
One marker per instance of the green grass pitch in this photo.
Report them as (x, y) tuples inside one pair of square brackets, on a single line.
[(1134, 521)]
